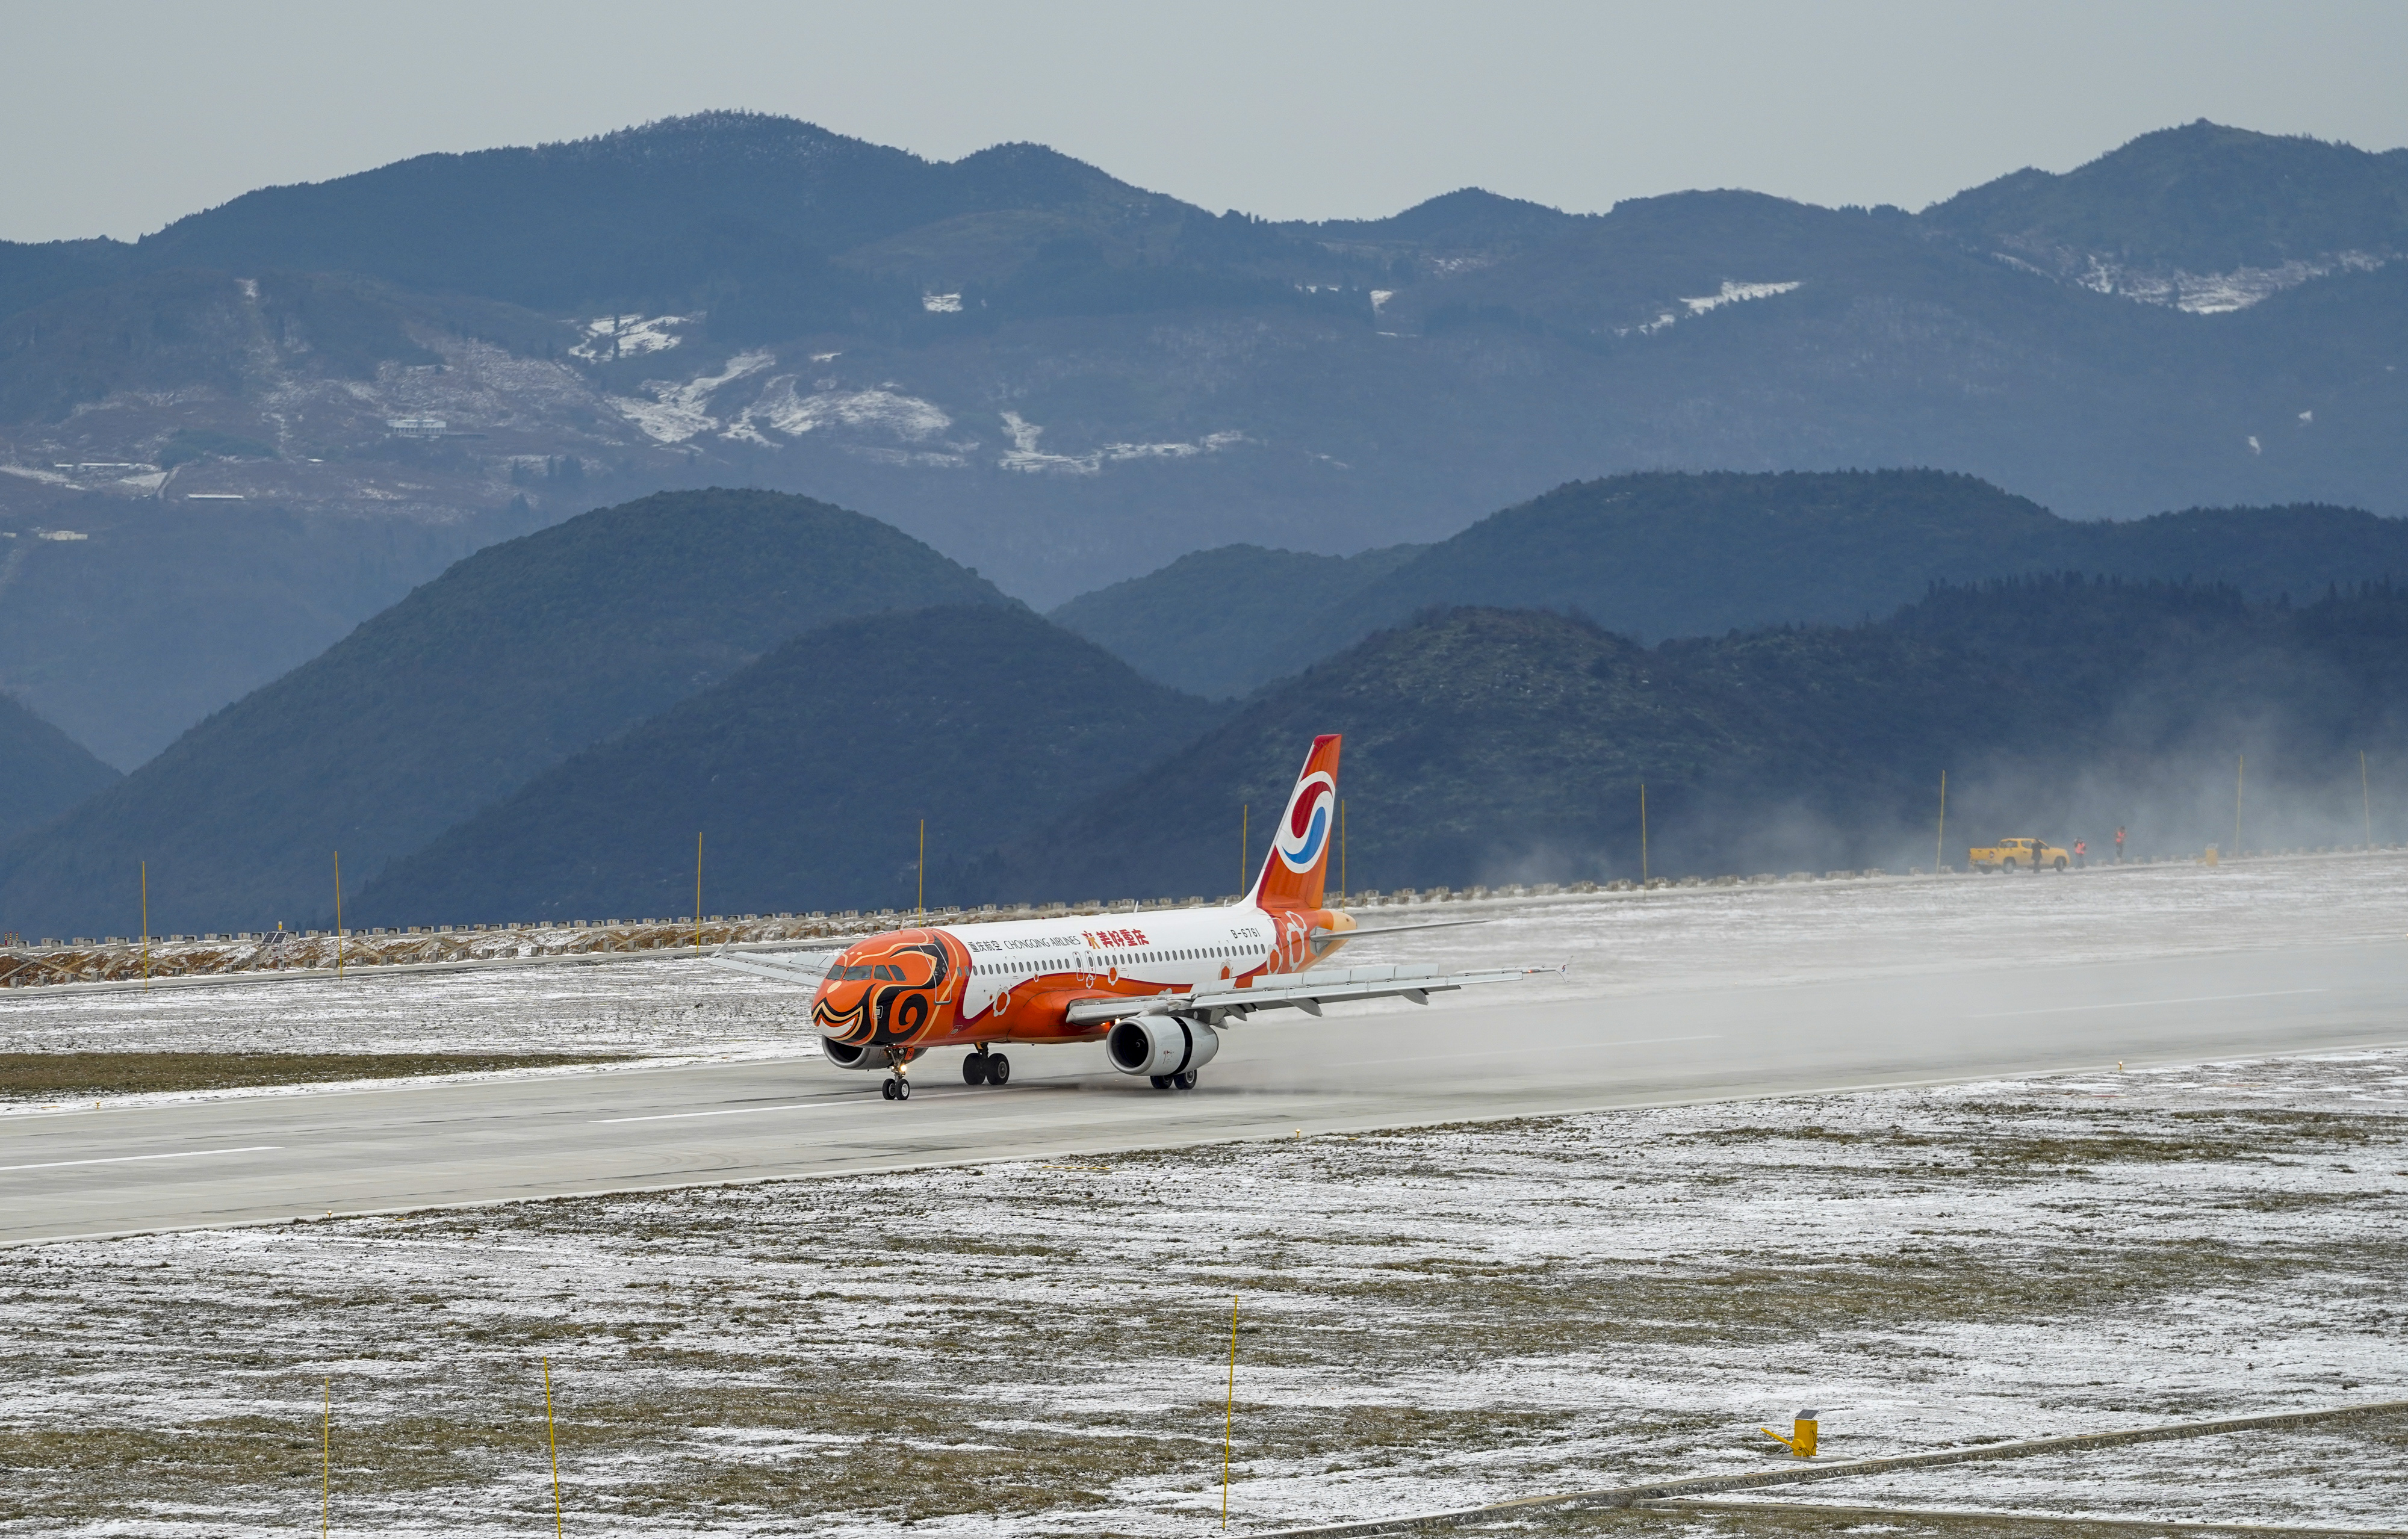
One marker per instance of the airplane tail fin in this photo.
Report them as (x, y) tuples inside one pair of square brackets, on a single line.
[(1294, 869)]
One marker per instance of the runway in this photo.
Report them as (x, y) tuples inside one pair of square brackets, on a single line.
[(1506, 1053)]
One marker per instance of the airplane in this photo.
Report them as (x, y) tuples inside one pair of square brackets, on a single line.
[(1157, 987)]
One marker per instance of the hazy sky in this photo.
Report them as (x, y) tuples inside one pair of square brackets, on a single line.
[(117, 117)]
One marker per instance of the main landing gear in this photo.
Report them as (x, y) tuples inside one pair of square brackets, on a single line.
[(896, 1089), (1174, 1081), (987, 1068)]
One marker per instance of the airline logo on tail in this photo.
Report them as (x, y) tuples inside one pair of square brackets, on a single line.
[(1293, 872), (1304, 832)]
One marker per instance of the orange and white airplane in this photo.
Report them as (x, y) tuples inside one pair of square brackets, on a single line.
[(1156, 988)]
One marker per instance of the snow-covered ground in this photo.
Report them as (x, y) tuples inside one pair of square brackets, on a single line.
[(1427, 1319), (660, 1007)]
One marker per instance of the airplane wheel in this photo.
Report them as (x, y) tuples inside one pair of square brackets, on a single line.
[(1160, 1082), (886, 1089), (998, 1069), (974, 1069), (902, 1089), (1183, 1082)]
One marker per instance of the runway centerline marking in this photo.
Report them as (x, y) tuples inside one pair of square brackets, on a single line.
[(2143, 1004), (128, 1159)]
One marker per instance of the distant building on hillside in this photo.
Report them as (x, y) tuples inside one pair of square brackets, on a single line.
[(417, 427)]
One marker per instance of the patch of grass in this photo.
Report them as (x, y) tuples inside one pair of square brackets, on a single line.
[(39, 1076)]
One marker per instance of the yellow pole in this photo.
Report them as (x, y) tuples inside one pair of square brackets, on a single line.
[(552, 1437), (698, 891), (1229, 1422), (145, 914), (1642, 834), (326, 1494), (338, 913), (1940, 840), (2366, 798), (2240, 782)]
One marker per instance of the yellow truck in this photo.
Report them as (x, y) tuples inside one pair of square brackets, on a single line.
[(2017, 854)]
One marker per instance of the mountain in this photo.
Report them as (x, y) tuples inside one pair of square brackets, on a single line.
[(44, 770), (2203, 217), (1214, 623), (126, 621), (1662, 554), (1068, 380), (808, 773), (1489, 745), (508, 663)]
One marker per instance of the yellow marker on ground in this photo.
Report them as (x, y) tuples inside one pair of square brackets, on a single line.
[(1801, 1440)]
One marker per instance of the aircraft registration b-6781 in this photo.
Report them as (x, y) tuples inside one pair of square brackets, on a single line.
[(1156, 989)]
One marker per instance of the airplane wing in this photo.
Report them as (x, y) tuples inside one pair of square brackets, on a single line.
[(1306, 991), (797, 967)]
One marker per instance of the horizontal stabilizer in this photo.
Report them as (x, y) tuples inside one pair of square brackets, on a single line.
[(1320, 935)]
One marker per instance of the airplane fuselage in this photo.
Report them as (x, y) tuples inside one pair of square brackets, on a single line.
[(907, 991)]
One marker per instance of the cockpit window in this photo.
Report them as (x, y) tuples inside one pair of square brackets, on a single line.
[(848, 974)]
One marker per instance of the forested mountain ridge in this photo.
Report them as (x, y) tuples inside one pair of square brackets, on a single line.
[(1219, 623), (809, 773), (1492, 745), (2204, 218), (1067, 380), (512, 660), (43, 771), (1660, 554)]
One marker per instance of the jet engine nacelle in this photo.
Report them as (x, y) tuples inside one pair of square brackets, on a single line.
[(852, 1055), (1160, 1045)]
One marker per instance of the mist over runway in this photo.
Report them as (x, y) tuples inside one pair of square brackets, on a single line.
[(1669, 996)]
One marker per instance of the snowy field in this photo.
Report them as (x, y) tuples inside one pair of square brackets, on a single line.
[(667, 1007), (1427, 1318)]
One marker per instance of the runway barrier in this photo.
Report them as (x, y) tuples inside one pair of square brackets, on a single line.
[(1706, 1485)]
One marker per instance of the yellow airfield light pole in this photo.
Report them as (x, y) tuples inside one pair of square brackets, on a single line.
[(551, 1439), (1642, 834), (1229, 1421), (698, 891), (146, 912), (1940, 840), (338, 913), (326, 1463)]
